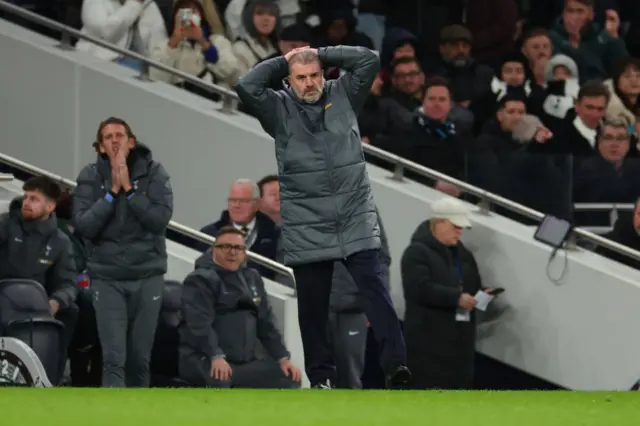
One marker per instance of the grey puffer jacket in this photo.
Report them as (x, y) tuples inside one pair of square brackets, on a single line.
[(125, 237), (326, 202)]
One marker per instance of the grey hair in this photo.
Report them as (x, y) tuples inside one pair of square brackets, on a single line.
[(254, 186), (616, 122), (304, 57)]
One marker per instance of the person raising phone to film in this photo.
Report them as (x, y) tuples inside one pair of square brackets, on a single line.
[(194, 48)]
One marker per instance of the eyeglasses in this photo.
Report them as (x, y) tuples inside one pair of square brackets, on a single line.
[(230, 248), (240, 200), (611, 138)]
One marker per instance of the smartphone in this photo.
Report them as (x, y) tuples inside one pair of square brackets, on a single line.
[(186, 16), (497, 291)]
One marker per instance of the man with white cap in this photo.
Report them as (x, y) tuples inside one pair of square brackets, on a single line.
[(440, 278)]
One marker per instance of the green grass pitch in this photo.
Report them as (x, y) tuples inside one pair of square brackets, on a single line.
[(160, 407)]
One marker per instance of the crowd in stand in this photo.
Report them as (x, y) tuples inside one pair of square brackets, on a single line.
[(537, 101)]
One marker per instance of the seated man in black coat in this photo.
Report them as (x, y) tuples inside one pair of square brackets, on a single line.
[(225, 314), (32, 247), (609, 177), (261, 233)]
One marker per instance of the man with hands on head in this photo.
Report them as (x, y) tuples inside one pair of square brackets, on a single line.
[(121, 207), (326, 202)]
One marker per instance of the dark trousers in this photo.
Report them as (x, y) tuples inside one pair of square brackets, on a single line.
[(69, 318), (313, 283), (256, 374)]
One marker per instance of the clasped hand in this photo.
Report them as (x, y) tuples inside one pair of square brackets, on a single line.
[(119, 173)]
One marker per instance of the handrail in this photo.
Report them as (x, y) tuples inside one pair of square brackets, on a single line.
[(229, 97), (229, 104), (174, 226), (488, 198), (603, 206)]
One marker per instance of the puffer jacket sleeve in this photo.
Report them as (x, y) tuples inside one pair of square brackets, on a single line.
[(152, 28), (90, 215), (181, 57), (109, 27), (362, 66), (61, 284), (616, 109), (155, 208), (226, 67), (253, 90), (198, 315)]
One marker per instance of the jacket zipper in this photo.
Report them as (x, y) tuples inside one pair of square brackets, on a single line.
[(329, 170)]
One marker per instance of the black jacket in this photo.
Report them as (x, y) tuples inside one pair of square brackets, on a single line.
[(39, 251), (265, 244), (440, 350), (623, 233), (226, 314), (467, 83), (432, 144), (598, 181), (125, 238)]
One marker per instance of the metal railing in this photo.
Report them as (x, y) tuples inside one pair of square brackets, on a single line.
[(230, 104), (174, 226), (229, 97)]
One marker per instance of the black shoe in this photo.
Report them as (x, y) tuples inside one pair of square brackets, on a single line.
[(323, 385), (398, 377)]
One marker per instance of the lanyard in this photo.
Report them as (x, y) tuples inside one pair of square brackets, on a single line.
[(458, 265)]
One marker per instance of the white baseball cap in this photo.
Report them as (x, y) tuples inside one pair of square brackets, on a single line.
[(452, 210)]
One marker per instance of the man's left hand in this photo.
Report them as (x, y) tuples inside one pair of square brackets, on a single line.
[(123, 170), (290, 370), (55, 306)]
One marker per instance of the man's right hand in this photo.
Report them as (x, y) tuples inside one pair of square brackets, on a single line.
[(220, 369), (298, 50), (467, 301)]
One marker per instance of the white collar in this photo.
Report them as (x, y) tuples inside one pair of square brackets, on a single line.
[(249, 226), (585, 132), (499, 88)]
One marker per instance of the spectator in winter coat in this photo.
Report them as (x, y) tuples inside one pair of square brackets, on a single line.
[(624, 87), (468, 79), (194, 49), (261, 18), (440, 278), (562, 86), (536, 47), (32, 247), (131, 24), (237, 25), (611, 176), (122, 206), (225, 314), (595, 50), (261, 233)]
